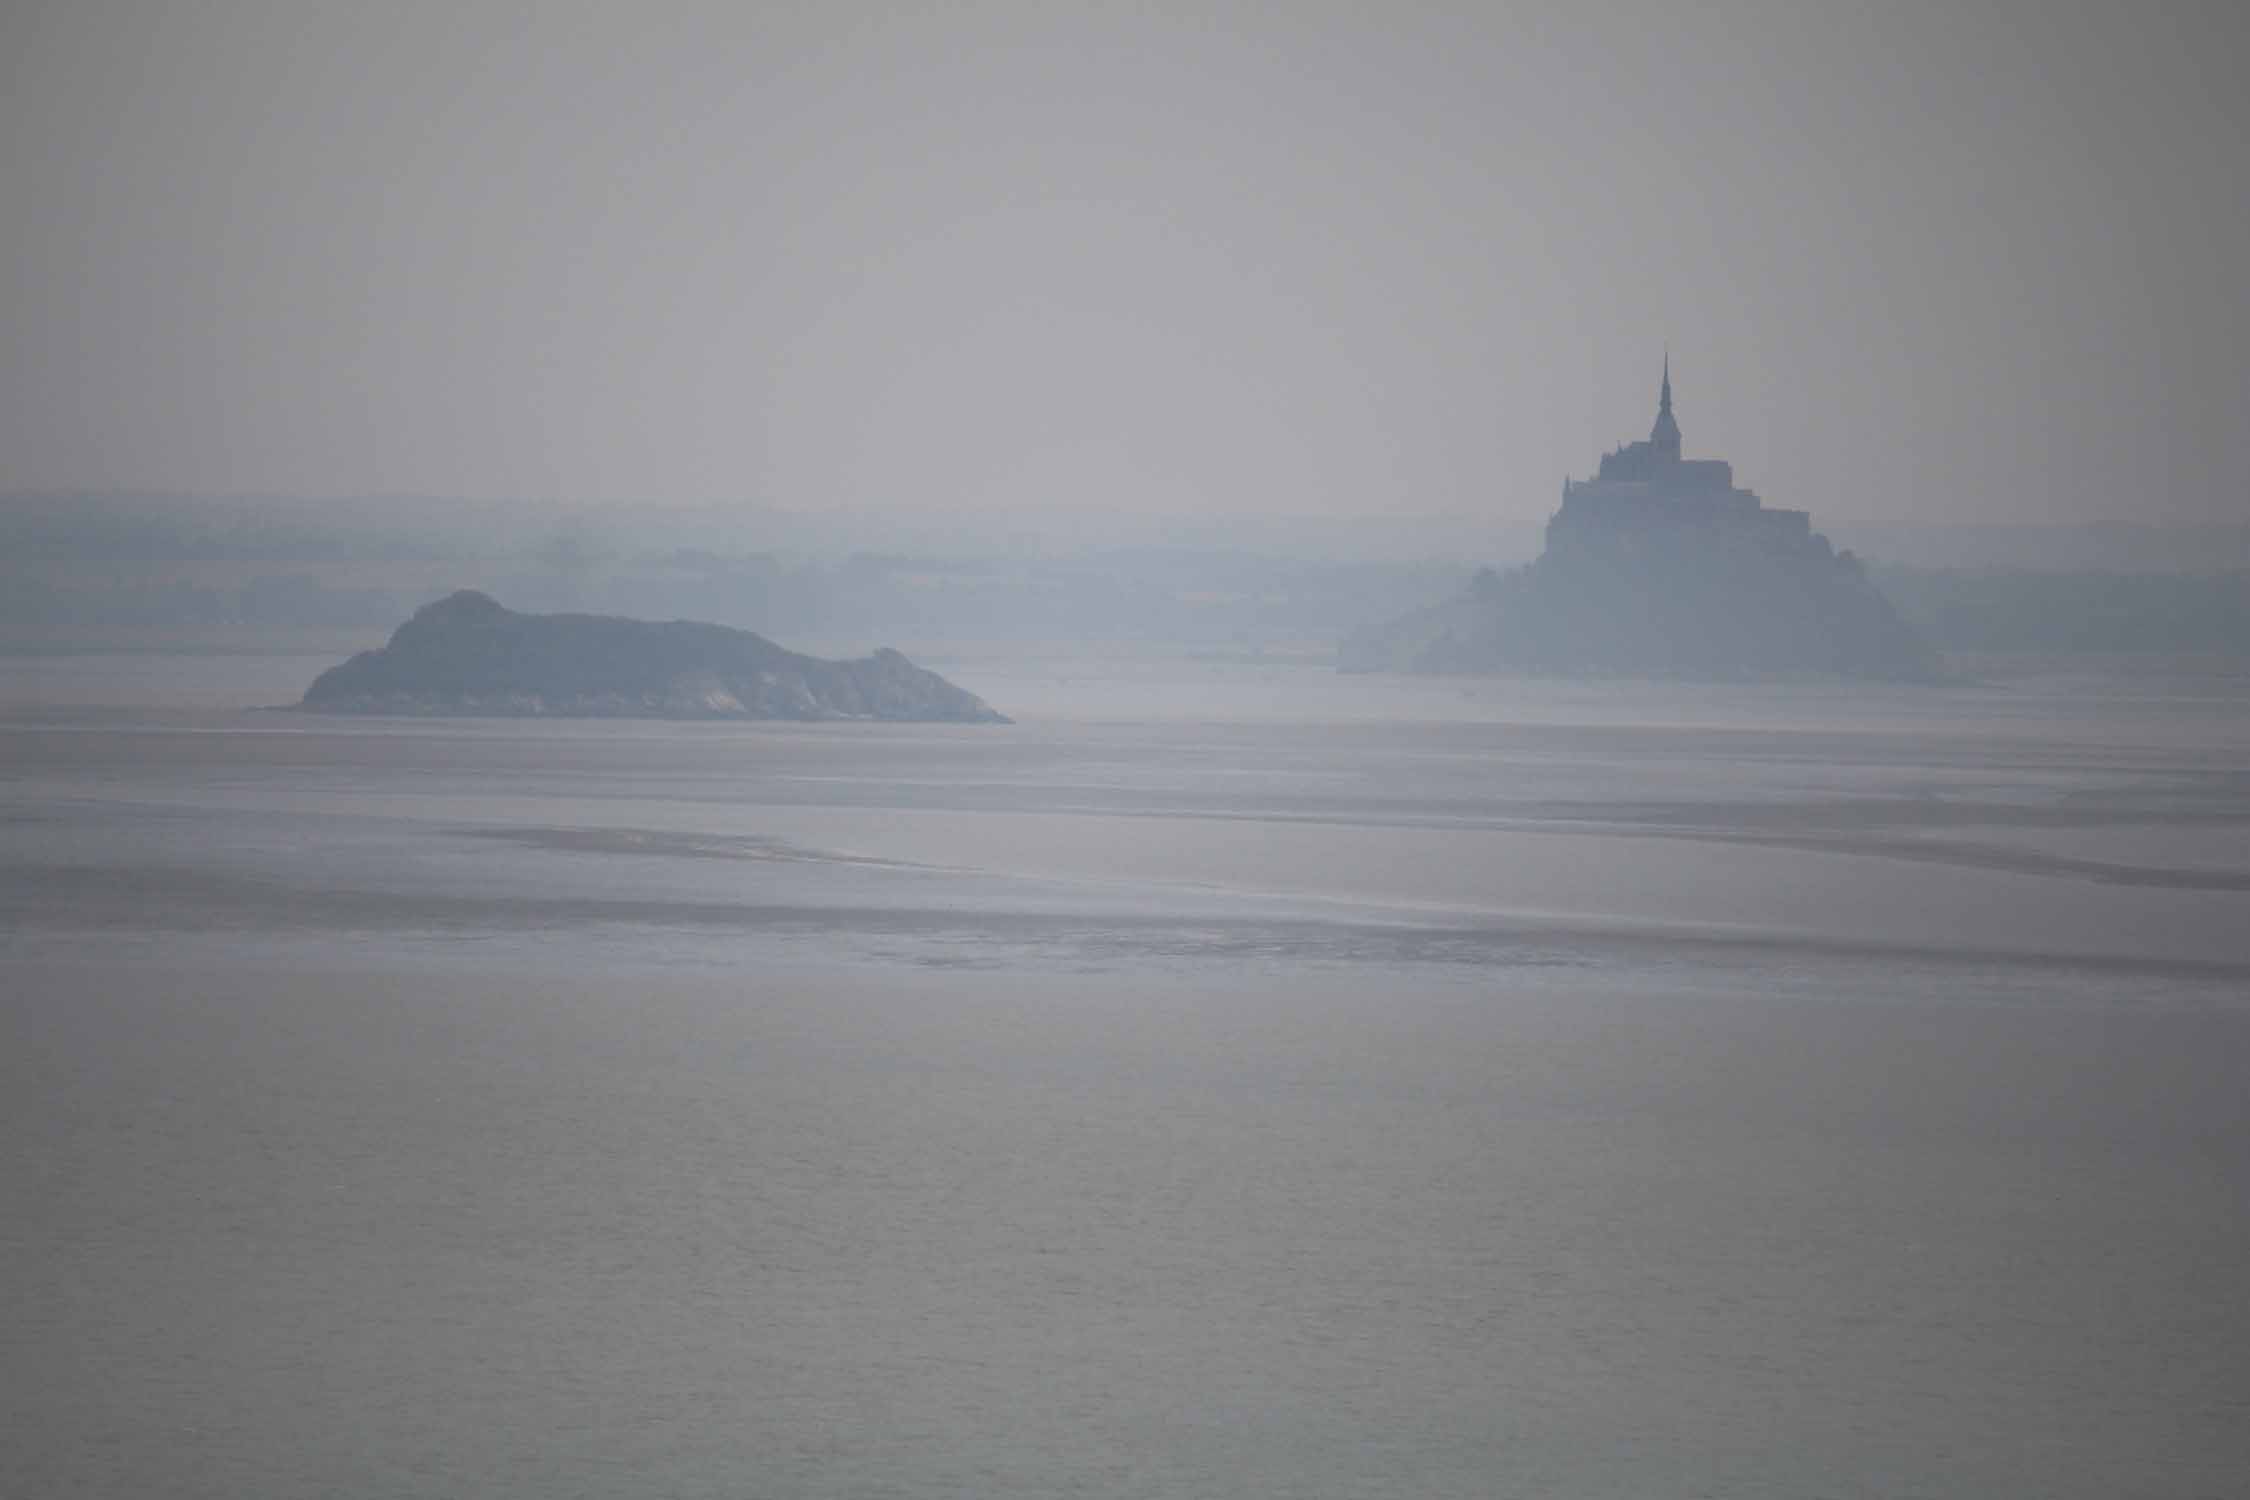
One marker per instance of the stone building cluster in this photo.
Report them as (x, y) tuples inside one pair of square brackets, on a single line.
[(1646, 488)]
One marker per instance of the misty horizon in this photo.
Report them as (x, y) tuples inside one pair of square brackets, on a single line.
[(1482, 751), (1911, 265)]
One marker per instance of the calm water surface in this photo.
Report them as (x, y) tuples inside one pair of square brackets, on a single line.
[(1230, 1080)]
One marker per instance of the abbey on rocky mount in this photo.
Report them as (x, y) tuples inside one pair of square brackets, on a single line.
[(1661, 566)]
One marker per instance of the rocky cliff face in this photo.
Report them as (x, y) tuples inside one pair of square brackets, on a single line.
[(1680, 601), (466, 654)]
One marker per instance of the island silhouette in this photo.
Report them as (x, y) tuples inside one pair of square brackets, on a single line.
[(466, 654), (1661, 566)]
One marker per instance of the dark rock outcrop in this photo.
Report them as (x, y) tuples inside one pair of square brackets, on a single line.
[(466, 654), (1696, 606)]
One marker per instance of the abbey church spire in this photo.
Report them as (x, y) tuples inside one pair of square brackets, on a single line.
[(1664, 437), (1658, 460)]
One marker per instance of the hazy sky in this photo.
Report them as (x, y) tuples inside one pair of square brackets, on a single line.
[(1913, 262)]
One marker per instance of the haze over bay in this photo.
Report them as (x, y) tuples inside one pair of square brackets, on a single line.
[(516, 979)]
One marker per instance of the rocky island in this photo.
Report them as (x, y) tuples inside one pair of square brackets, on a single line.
[(1659, 566), (466, 654)]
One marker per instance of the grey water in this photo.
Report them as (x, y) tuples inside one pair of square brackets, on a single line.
[(1230, 1079)]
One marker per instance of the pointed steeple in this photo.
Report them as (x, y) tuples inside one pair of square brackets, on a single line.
[(1664, 437)]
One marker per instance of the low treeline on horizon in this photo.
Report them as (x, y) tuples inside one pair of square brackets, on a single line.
[(96, 567)]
